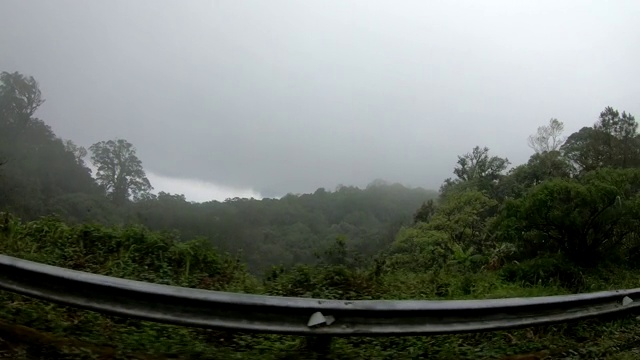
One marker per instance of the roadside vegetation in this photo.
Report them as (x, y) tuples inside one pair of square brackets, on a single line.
[(567, 221)]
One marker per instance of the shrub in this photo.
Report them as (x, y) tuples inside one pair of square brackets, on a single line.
[(544, 271)]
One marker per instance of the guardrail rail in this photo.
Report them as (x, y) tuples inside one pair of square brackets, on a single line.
[(299, 316)]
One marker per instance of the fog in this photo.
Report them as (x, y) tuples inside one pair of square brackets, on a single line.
[(262, 98)]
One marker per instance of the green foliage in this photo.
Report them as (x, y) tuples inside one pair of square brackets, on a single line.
[(120, 171), (584, 149), (476, 171), (20, 97), (84, 208), (131, 252), (463, 216), (37, 168), (340, 274), (290, 230), (612, 142), (127, 252), (418, 248), (584, 220), (79, 152), (478, 165), (425, 212), (618, 135), (544, 271), (540, 167), (320, 281)]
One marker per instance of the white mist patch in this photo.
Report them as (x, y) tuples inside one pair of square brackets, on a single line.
[(192, 189), (197, 190)]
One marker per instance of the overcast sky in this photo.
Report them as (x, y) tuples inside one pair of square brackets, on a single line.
[(241, 98)]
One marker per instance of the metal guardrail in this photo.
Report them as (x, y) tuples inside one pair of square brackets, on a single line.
[(300, 316)]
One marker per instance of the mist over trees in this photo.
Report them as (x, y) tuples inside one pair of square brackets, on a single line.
[(564, 194), (38, 173), (566, 221), (46, 175), (575, 192)]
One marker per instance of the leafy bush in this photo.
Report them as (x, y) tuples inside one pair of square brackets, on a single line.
[(586, 220), (544, 271), (419, 249), (131, 252)]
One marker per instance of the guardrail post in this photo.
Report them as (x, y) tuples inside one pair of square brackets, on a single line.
[(319, 345)]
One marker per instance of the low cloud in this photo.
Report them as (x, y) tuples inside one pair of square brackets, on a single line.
[(197, 190), (193, 189)]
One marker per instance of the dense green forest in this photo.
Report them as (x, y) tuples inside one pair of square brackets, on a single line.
[(566, 221), (44, 175)]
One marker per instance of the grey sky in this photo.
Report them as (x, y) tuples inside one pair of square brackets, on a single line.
[(288, 96)]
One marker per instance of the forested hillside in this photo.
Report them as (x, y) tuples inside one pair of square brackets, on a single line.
[(39, 172), (292, 229), (43, 175), (566, 221)]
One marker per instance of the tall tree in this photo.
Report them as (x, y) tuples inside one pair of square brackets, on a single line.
[(20, 97), (583, 148), (612, 142), (19, 94), (120, 171), (540, 167), (619, 137), (39, 171), (475, 171), (478, 165), (548, 137)]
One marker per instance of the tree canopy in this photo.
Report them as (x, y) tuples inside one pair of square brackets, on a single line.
[(119, 170), (38, 170), (548, 137)]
